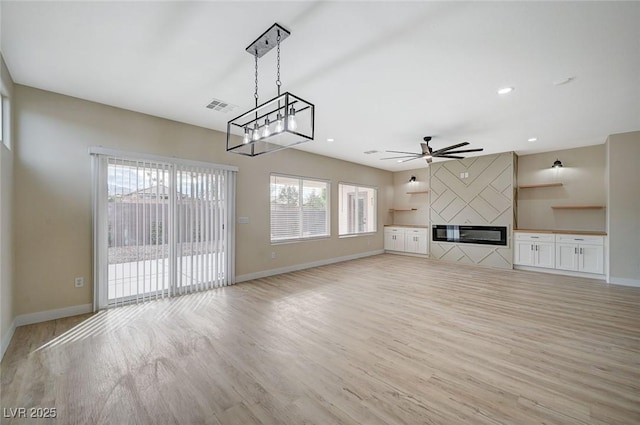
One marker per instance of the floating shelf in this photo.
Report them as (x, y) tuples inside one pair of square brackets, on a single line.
[(577, 207), (421, 191), (531, 186), (403, 209)]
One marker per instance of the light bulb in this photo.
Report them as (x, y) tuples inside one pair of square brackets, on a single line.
[(256, 132), (266, 132), (279, 123), (245, 139), (291, 124)]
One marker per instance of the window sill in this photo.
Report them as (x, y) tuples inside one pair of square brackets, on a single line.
[(289, 241), (356, 235)]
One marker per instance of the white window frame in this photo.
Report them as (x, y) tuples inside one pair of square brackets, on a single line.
[(375, 209), (301, 180), (5, 127)]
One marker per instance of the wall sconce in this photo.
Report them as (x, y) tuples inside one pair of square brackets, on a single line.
[(412, 179), (557, 164)]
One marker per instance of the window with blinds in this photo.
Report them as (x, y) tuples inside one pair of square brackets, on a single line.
[(357, 206), (299, 208)]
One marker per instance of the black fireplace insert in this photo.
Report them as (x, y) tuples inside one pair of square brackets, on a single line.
[(486, 235)]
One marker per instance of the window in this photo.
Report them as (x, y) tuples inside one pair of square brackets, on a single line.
[(357, 209), (299, 208), (5, 121), (2, 119)]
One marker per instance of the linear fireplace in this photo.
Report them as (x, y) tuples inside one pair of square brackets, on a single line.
[(486, 235)]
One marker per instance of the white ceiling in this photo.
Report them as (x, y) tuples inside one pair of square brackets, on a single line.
[(381, 74)]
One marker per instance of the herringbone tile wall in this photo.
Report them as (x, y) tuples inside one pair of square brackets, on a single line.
[(485, 197)]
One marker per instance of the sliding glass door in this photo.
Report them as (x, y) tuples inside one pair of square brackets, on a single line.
[(161, 227)]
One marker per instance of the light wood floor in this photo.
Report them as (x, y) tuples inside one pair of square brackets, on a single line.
[(382, 340)]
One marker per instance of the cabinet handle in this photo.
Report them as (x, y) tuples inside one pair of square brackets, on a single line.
[(537, 247), (575, 250), (580, 251), (531, 247), (577, 239)]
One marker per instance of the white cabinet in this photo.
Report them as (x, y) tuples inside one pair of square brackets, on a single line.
[(415, 241), (560, 252), (580, 253), (535, 249), (406, 239), (394, 239)]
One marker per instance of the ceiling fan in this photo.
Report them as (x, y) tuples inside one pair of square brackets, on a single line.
[(428, 153)]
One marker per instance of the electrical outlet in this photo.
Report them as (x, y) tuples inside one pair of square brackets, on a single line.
[(466, 175), (273, 255), (79, 282)]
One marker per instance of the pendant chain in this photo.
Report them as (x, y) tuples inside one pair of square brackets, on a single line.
[(256, 92), (278, 82)]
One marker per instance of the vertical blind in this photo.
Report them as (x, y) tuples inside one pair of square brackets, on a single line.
[(162, 227), (299, 208)]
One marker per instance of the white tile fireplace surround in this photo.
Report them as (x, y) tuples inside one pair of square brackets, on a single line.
[(474, 191)]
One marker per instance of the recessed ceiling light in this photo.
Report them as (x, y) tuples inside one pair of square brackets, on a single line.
[(532, 139), (330, 140), (505, 90)]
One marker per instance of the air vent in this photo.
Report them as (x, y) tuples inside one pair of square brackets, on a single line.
[(221, 105), (370, 152)]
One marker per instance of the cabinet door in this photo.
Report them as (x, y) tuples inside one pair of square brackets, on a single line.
[(423, 243), (398, 242), (545, 254), (591, 259), (415, 241), (523, 254), (389, 242), (567, 256)]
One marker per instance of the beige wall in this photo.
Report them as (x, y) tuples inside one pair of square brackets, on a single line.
[(583, 183), (6, 184), (623, 152), (52, 211), (420, 201)]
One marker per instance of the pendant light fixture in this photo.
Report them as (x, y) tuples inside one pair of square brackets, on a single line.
[(281, 122), (557, 164)]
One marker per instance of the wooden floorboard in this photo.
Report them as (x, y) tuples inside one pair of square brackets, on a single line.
[(381, 340)]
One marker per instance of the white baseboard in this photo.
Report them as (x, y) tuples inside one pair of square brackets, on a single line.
[(6, 339), (624, 281), (58, 313), (562, 272), (273, 272), (407, 254)]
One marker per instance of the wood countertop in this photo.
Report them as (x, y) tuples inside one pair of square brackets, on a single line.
[(568, 232), (415, 226)]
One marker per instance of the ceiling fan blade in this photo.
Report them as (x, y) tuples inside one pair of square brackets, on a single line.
[(450, 156), (410, 159), (410, 153), (398, 157), (459, 145), (465, 151)]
